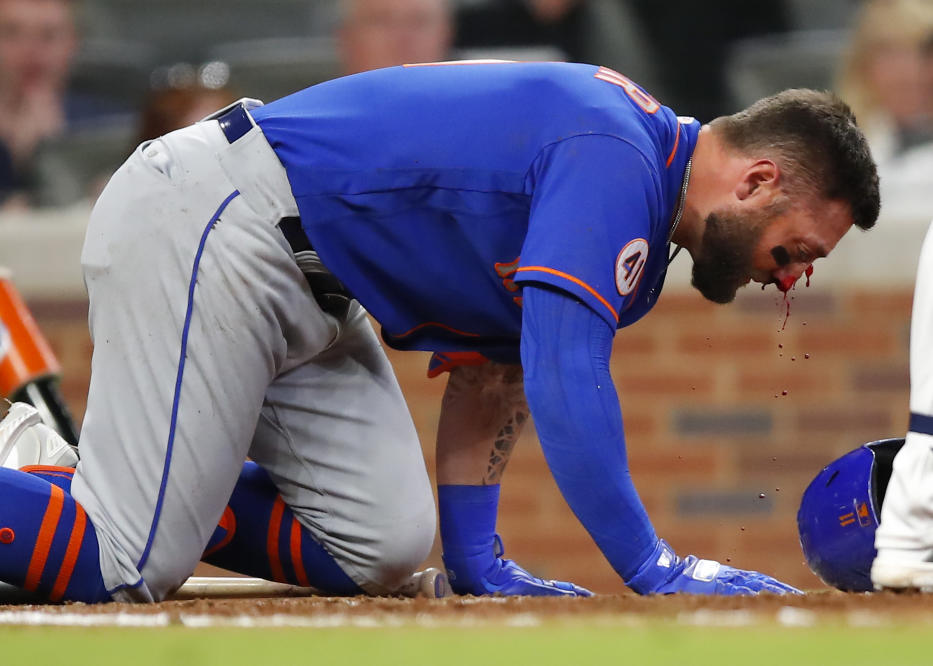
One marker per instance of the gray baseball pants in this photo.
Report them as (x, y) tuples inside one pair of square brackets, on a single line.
[(210, 347)]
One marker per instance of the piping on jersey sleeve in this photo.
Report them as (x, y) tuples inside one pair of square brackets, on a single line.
[(670, 158), (577, 281)]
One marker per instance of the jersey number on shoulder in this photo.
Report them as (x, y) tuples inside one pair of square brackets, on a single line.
[(630, 265), (648, 103)]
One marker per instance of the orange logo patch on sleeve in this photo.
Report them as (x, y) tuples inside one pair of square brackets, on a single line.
[(630, 265)]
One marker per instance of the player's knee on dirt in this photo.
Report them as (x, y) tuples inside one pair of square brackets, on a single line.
[(400, 549)]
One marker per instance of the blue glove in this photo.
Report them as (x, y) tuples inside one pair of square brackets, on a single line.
[(488, 573), (473, 551), (666, 573)]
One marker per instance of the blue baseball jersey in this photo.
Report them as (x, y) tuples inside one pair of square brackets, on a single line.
[(435, 191)]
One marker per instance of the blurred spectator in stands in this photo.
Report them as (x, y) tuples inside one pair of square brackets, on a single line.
[(521, 23), (887, 79), (382, 33), (601, 32), (182, 95), (38, 41), (691, 42)]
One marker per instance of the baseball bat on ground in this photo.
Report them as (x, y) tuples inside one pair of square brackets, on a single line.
[(430, 584)]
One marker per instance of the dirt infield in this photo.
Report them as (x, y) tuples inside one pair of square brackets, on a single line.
[(817, 607)]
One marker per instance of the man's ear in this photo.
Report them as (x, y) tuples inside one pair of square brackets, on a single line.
[(760, 179)]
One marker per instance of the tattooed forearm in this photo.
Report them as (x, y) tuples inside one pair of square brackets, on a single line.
[(495, 380), (502, 447), (498, 386), (461, 381), (482, 416)]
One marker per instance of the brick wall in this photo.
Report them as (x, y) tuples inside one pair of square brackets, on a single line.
[(722, 404)]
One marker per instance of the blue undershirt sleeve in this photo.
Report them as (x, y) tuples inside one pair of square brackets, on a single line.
[(565, 349)]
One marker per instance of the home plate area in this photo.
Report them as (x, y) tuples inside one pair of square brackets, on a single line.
[(248, 603)]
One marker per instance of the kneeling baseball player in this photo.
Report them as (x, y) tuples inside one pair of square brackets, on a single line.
[(509, 217)]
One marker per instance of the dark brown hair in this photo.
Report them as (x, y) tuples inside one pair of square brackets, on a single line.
[(814, 138)]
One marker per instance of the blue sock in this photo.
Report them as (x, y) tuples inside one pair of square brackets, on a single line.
[(47, 544), (468, 533), (259, 535), (242, 543)]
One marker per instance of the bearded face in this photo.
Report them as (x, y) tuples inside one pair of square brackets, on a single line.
[(724, 262)]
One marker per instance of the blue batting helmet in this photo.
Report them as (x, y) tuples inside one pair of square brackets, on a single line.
[(839, 514)]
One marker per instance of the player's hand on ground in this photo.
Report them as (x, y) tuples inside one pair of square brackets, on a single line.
[(666, 573), (696, 576), (507, 577), (489, 573)]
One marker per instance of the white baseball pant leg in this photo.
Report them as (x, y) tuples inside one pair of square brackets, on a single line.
[(906, 529)]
